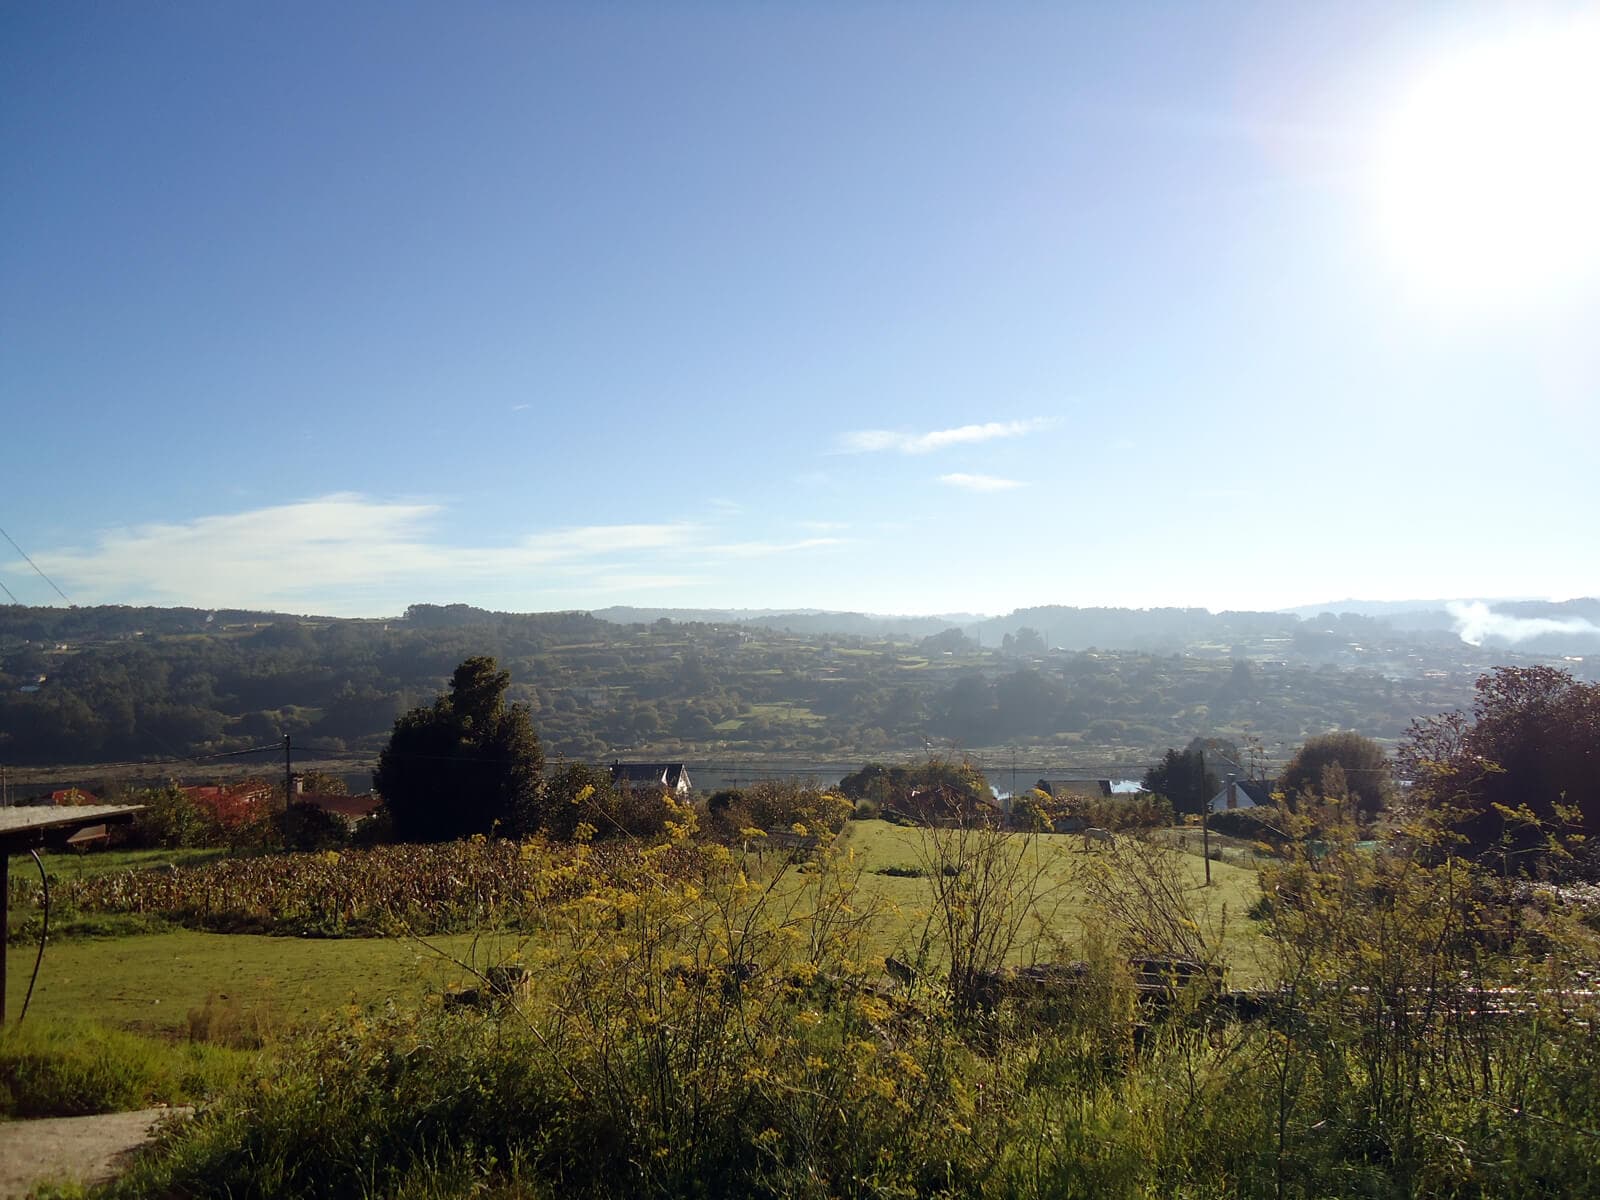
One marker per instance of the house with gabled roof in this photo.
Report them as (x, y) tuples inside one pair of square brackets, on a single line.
[(1090, 789), (352, 810), (672, 776), (1242, 793)]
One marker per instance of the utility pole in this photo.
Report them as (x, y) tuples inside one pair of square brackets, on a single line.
[(1205, 817), (288, 782)]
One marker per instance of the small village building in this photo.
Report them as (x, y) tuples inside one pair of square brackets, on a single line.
[(672, 776), (1241, 793), (1091, 789), (352, 810)]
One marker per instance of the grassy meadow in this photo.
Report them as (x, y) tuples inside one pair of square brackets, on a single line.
[(701, 1018), (152, 980), (893, 859)]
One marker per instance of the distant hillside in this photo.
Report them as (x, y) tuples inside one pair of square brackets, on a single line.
[(1534, 626), (802, 621), (1379, 608), (1086, 687), (1165, 630), (1545, 627)]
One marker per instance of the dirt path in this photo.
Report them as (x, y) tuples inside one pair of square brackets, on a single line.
[(87, 1149)]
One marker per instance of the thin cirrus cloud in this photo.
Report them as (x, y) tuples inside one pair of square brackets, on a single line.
[(867, 441), (979, 483), (766, 549), (348, 554)]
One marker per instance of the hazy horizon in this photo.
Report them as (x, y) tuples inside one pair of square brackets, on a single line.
[(1348, 604)]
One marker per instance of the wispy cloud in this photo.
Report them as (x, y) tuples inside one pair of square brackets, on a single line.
[(766, 549), (867, 441), (348, 553), (980, 483)]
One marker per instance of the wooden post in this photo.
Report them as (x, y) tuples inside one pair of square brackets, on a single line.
[(5, 895), (1205, 818)]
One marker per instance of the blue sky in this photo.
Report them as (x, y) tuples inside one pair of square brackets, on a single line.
[(335, 308)]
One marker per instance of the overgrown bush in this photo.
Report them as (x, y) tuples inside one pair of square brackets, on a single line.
[(691, 1033), (775, 804), (583, 803), (71, 1069), (305, 826), (1257, 824), (1123, 813), (172, 819), (698, 1026)]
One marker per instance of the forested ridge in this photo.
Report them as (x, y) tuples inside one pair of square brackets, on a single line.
[(88, 685)]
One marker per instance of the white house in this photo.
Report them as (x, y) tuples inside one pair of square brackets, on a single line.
[(672, 776), (1241, 793)]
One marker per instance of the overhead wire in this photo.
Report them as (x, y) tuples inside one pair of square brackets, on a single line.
[(34, 565), (276, 747)]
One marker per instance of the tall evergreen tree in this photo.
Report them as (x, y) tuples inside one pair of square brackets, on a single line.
[(468, 763), (1184, 778)]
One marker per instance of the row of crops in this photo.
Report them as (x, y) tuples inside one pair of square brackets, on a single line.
[(419, 889)]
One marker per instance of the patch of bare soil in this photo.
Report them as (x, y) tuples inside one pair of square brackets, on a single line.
[(89, 1150)]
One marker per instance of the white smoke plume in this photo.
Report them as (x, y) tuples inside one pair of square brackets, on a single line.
[(1476, 622)]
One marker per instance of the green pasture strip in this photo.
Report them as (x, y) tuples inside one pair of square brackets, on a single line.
[(70, 1068), (153, 982), (70, 865), (797, 713), (879, 844)]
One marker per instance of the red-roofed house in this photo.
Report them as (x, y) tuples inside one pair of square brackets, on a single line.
[(231, 805), (352, 808)]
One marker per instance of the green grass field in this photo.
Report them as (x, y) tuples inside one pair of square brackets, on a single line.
[(152, 981), (69, 865), (1061, 858)]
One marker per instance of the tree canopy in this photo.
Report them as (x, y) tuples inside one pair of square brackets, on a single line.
[(1336, 766), (1184, 779), (468, 763), (935, 789), (1518, 782)]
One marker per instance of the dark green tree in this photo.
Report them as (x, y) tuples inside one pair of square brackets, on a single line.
[(468, 763), (1338, 767), (936, 788), (1518, 782), (951, 641), (1183, 778), (1025, 641)]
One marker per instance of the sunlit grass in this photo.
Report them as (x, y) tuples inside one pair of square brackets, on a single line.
[(1067, 917), (152, 982)]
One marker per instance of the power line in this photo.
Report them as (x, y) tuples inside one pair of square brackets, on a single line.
[(34, 565), (275, 748), (7, 591)]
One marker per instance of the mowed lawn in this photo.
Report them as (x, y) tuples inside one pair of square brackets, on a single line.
[(153, 981)]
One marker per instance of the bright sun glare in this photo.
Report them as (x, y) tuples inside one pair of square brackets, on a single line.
[(1488, 173)]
